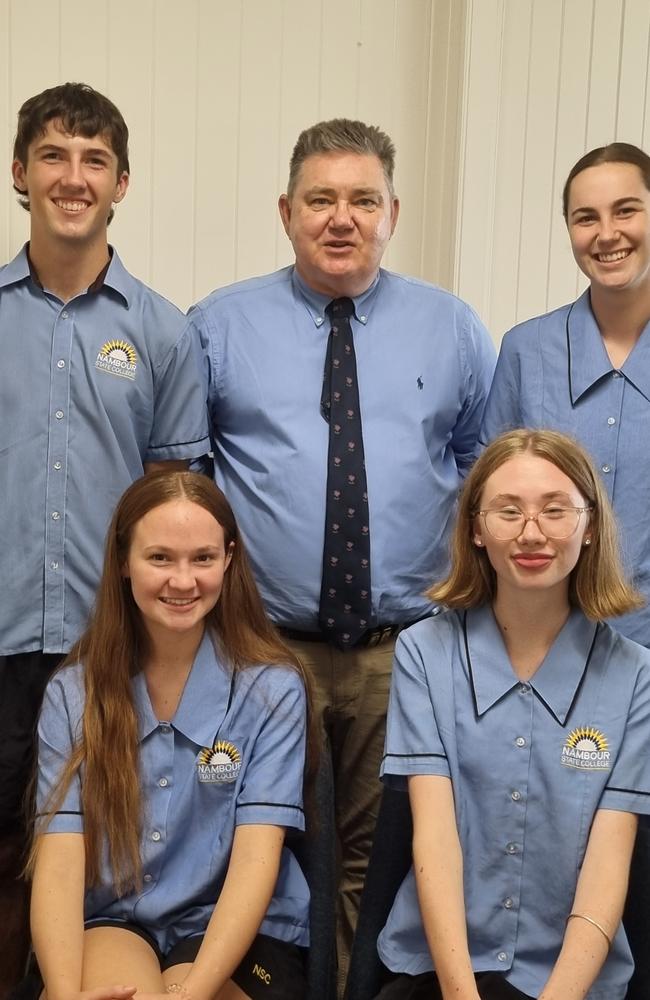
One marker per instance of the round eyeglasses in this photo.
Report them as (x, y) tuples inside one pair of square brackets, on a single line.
[(554, 521)]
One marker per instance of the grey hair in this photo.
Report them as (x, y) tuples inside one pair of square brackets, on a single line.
[(344, 135)]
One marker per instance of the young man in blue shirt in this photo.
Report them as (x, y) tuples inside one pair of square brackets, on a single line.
[(98, 385)]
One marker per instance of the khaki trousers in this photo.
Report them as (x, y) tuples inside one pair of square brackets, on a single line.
[(350, 700)]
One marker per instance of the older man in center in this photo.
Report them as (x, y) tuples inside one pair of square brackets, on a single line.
[(345, 403)]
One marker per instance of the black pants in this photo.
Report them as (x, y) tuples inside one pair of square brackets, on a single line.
[(491, 986), (23, 677)]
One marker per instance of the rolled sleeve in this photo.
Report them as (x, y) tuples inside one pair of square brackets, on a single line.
[(628, 788), (180, 426), (58, 730), (271, 791), (413, 742)]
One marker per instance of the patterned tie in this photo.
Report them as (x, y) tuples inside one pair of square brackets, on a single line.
[(345, 600)]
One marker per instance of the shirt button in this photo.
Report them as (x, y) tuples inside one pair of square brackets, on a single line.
[(524, 688), (147, 878), (64, 314), (155, 836), (611, 421), (59, 414), (520, 741), (617, 375), (502, 956), (60, 364), (511, 849), (606, 468), (163, 782), (362, 319), (319, 321), (164, 729), (55, 515), (515, 796), (54, 565), (508, 903), (57, 466)]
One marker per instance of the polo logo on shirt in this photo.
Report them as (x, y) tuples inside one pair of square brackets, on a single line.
[(219, 763), (587, 749), (117, 357)]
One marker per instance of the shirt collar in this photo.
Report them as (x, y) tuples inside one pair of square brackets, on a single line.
[(208, 683), (588, 359), (316, 302), (114, 275), (556, 682)]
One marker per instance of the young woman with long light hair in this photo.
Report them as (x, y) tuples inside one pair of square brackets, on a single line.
[(519, 721), (172, 746)]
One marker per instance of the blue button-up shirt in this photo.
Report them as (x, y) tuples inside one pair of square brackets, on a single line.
[(191, 807), (424, 363), (530, 763), (89, 391), (554, 371)]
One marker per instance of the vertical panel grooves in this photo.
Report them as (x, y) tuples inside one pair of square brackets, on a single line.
[(645, 89), (236, 241), (152, 171), (621, 35), (589, 71), (554, 161), (426, 198), (523, 162), (195, 172)]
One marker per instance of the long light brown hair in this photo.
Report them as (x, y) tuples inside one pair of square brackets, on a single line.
[(597, 584), (112, 650)]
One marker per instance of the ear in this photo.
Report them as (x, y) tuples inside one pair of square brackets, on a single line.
[(284, 207), (121, 187), (394, 215), (229, 555), (18, 173), (477, 532)]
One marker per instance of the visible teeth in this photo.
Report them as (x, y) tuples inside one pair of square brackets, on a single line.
[(178, 600), (608, 258), (71, 206)]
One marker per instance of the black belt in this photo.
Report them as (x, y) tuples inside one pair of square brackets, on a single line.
[(371, 637)]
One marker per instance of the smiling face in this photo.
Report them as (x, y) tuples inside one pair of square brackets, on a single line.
[(609, 226), (176, 564), (71, 182), (339, 219), (531, 562)]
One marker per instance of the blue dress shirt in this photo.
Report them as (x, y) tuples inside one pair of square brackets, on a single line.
[(89, 391), (189, 815), (424, 363), (554, 371), (530, 764)]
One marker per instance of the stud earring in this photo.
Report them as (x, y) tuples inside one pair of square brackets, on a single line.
[(478, 542), (587, 541)]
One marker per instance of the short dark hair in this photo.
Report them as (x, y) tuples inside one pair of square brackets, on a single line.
[(614, 152), (345, 135), (81, 111)]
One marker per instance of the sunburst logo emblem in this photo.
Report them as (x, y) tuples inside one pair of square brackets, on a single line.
[(587, 738), (117, 357), (587, 749), (219, 763), (120, 350)]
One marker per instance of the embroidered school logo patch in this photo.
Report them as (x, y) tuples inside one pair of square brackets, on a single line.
[(587, 749), (117, 357), (220, 763)]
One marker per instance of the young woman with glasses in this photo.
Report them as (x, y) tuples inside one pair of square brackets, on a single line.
[(519, 721)]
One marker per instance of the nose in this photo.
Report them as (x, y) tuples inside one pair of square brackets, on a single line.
[(608, 231), (531, 531), (182, 577), (73, 176), (341, 215)]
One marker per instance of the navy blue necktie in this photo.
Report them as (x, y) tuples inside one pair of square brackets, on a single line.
[(345, 600)]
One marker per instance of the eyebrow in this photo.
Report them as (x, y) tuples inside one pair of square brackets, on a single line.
[(54, 147), (513, 498), (615, 204), (318, 189)]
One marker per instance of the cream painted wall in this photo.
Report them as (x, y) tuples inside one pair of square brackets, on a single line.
[(215, 93)]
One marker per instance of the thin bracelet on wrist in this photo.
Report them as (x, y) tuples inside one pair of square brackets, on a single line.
[(590, 920)]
